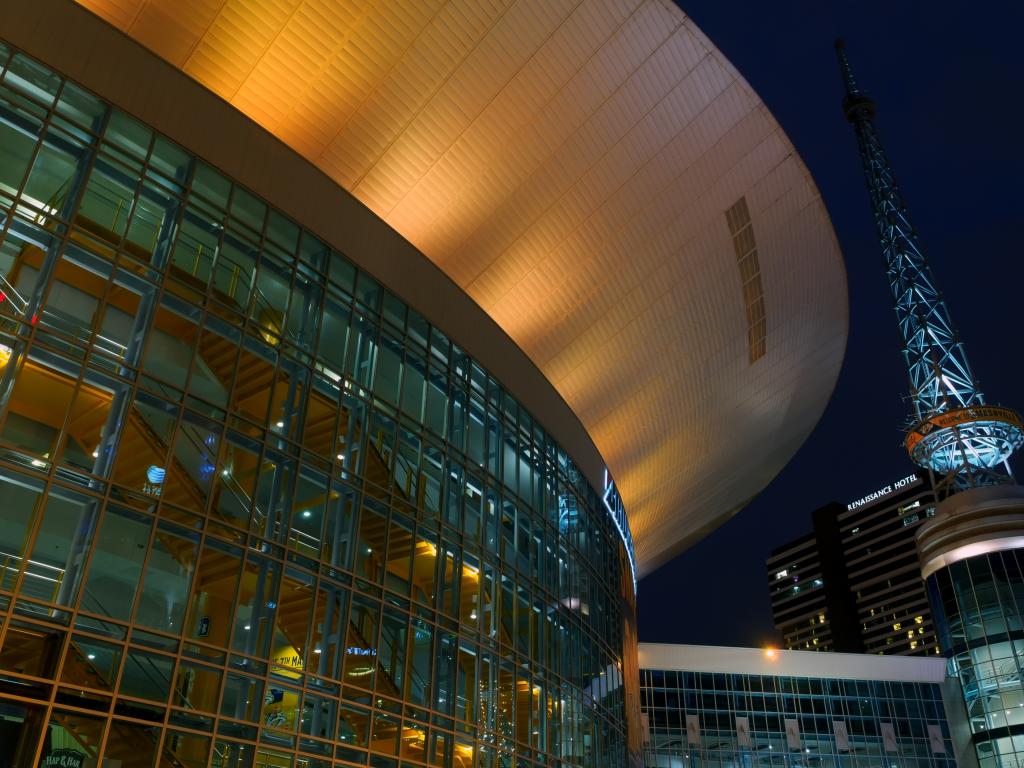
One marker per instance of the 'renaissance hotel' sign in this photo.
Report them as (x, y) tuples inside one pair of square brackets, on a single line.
[(881, 493)]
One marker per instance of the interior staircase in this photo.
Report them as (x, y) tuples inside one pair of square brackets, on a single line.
[(259, 393)]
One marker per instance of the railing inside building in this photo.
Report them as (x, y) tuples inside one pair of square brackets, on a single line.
[(242, 475)]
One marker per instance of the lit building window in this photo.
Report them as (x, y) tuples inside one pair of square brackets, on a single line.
[(300, 570)]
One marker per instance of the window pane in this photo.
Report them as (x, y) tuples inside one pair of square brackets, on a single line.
[(243, 698), (213, 593), (56, 164), (36, 412), (15, 153), (165, 587), (389, 370), (128, 134), (107, 201), (197, 687), (132, 745), (32, 78), (172, 342), (254, 615), (116, 563), (21, 497), (146, 675), (31, 649), (91, 663), (55, 566), (20, 727), (69, 733)]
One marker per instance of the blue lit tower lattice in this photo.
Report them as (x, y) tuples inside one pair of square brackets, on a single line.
[(965, 442), (971, 551)]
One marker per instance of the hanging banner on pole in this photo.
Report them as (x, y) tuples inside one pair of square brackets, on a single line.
[(792, 733), (889, 738), (693, 730), (938, 744), (743, 732), (842, 735)]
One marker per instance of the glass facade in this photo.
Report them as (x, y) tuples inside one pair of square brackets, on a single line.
[(981, 604), (255, 509), (721, 720)]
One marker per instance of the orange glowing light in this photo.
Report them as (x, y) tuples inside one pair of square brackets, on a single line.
[(507, 173)]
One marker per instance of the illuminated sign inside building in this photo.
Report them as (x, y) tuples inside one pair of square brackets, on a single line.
[(881, 493), (64, 758), (357, 651), (613, 503), (154, 480)]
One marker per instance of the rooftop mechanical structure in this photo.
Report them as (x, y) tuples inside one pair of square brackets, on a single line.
[(965, 442)]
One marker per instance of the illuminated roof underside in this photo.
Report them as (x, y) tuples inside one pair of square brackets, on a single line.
[(569, 165)]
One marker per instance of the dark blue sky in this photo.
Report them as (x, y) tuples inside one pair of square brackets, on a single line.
[(949, 83)]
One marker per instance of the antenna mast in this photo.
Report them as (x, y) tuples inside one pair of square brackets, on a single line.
[(966, 443)]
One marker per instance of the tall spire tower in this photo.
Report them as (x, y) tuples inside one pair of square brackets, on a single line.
[(955, 435), (971, 552)]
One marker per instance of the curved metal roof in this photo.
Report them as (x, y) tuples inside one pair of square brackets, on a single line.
[(569, 165)]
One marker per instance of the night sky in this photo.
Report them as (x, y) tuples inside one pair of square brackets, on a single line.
[(949, 82)]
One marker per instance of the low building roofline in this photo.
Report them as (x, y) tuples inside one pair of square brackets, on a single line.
[(763, 661)]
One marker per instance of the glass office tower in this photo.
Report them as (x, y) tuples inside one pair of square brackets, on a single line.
[(973, 564), (255, 509), (983, 630)]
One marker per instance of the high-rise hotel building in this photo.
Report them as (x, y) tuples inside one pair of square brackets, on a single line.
[(854, 584), (324, 332)]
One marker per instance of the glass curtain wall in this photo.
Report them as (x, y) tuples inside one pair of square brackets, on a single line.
[(719, 720), (979, 603), (255, 509)]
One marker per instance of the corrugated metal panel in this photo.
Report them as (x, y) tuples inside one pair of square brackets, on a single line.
[(568, 163)]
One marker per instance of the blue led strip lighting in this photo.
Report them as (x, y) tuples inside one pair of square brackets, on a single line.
[(617, 510)]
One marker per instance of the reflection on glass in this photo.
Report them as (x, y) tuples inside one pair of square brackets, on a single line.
[(254, 506)]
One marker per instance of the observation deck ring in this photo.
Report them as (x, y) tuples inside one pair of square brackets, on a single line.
[(990, 434)]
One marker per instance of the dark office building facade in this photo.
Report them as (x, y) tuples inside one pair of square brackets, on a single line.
[(812, 613), (854, 583)]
